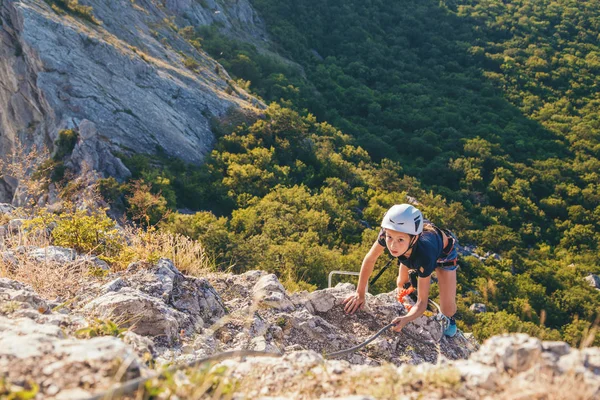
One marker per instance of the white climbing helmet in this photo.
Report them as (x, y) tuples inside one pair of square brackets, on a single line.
[(403, 218)]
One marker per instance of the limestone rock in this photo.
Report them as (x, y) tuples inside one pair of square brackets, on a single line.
[(324, 300), (478, 375), (593, 280), (558, 348), (94, 152), (15, 296), (317, 333), (6, 208), (141, 344), (144, 314), (478, 308), (270, 292), (193, 296), (40, 353), (304, 359), (124, 90), (510, 352), (425, 328), (53, 254), (158, 301), (114, 285)]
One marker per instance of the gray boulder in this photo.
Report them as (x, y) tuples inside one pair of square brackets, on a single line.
[(515, 353), (6, 208), (478, 375), (557, 348), (593, 281), (143, 314), (316, 333), (194, 297), (16, 296), (478, 308), (93, 261), (271, 293), (324, 300), (424, 328), (53, 254), (158, 301), (61, 366)]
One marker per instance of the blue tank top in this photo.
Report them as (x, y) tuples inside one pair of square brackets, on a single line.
[(425, 253)]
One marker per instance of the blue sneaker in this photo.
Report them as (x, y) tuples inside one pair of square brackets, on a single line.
[(450, 329)]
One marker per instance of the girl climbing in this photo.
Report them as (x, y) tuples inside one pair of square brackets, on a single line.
[(421, 248)]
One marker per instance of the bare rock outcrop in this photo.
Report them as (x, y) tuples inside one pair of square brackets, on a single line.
[(176, 319), (63, 368), (158, 302), (121, 83), (593, 280), (145, 314), (271, 293), (318, 322), (508, 366), (16, 296)]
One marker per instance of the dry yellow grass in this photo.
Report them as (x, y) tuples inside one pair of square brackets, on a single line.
[(48, 278), (189, 256), (51, 279)]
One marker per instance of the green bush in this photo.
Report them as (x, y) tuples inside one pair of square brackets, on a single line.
[(205, 227), (86, 231), (493, 323), (67, 139), (580, 333), (73, 7)]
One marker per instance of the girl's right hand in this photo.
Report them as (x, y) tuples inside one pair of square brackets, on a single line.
[(354, 303)]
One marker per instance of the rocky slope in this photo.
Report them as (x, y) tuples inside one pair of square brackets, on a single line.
[(121, 83), (173, 318)]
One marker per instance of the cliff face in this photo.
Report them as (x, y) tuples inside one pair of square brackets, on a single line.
[(121, 83)]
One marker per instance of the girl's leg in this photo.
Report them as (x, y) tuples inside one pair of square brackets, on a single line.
[(447, 284)]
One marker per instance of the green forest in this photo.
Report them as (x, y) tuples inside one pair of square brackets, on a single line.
[(485, 112)]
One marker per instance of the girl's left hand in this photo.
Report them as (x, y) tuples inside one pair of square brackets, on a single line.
[(399, 322)]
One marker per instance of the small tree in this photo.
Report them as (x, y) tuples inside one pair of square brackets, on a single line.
[(30, 169), (146, 207)]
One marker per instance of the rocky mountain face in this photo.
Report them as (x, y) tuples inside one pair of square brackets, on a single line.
[(119, 326), (177, 319), (121, 82)]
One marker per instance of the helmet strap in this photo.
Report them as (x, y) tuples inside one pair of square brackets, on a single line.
[(411, 244)]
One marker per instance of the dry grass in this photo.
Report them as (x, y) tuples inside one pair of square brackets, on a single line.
[(545, 387), (386, 382), (189, 256), (31, 168), (49, 279)]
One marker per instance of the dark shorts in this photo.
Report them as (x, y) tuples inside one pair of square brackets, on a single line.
[(453, 255), (449, 268)]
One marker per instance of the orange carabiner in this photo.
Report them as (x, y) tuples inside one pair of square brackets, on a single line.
[(404, 292)]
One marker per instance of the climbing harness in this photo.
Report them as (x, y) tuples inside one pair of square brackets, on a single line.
[(381, 272)]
